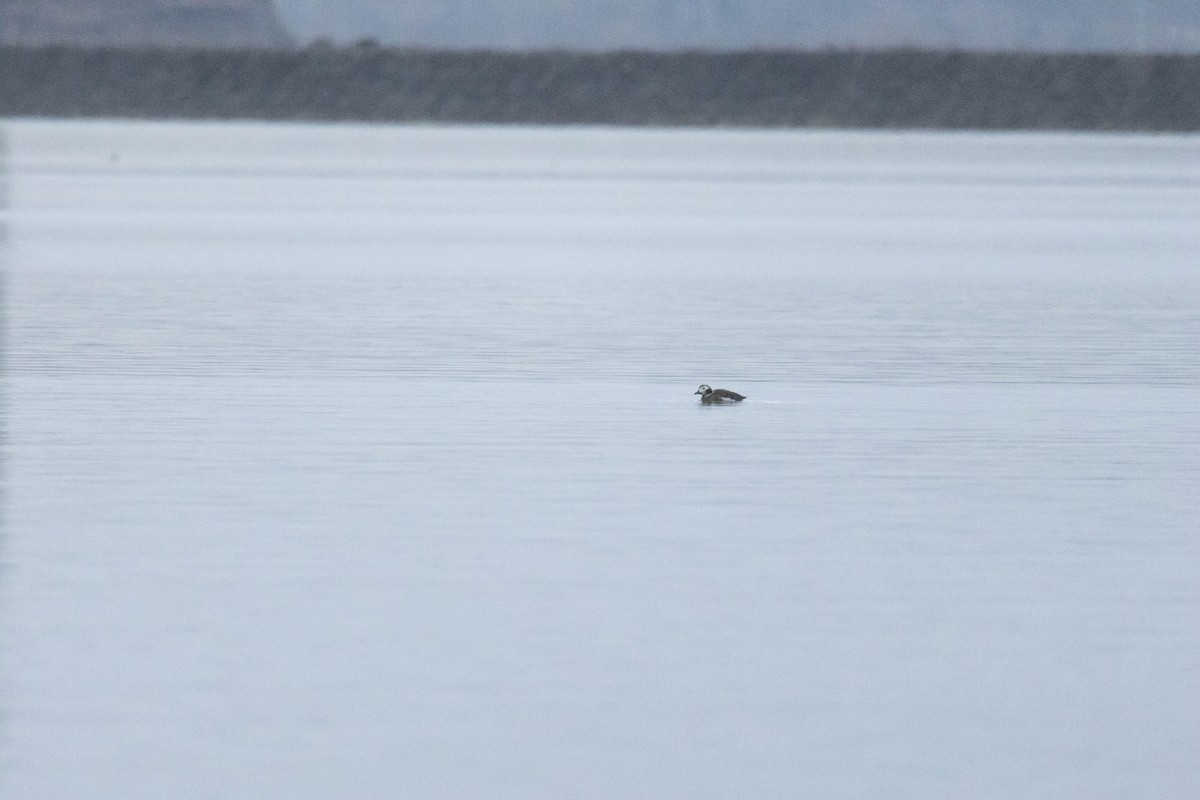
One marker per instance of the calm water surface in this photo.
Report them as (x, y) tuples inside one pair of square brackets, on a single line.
[(364, 462)]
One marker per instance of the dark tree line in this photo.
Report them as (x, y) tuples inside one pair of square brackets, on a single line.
[(874, 89)]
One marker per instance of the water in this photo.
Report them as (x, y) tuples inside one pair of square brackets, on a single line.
[(364, 461)]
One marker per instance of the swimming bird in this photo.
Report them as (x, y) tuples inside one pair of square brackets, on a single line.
[(711, 395)]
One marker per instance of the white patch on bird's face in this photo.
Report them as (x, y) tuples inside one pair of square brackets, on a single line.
[(704, 389)]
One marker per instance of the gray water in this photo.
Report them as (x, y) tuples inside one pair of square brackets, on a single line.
[(364, 462)]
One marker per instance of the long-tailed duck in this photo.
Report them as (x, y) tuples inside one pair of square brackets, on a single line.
[(711, 395)]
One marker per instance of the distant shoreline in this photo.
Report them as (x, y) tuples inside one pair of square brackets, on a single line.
[(889, 89)]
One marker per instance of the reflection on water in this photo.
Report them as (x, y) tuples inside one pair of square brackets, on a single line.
[(365, 461)]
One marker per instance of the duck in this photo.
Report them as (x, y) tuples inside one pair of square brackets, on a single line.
[(711, 395)]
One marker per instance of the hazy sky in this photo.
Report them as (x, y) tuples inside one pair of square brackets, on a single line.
[(1138, 25)]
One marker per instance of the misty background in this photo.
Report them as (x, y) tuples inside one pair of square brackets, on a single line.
[(1126, 26)]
